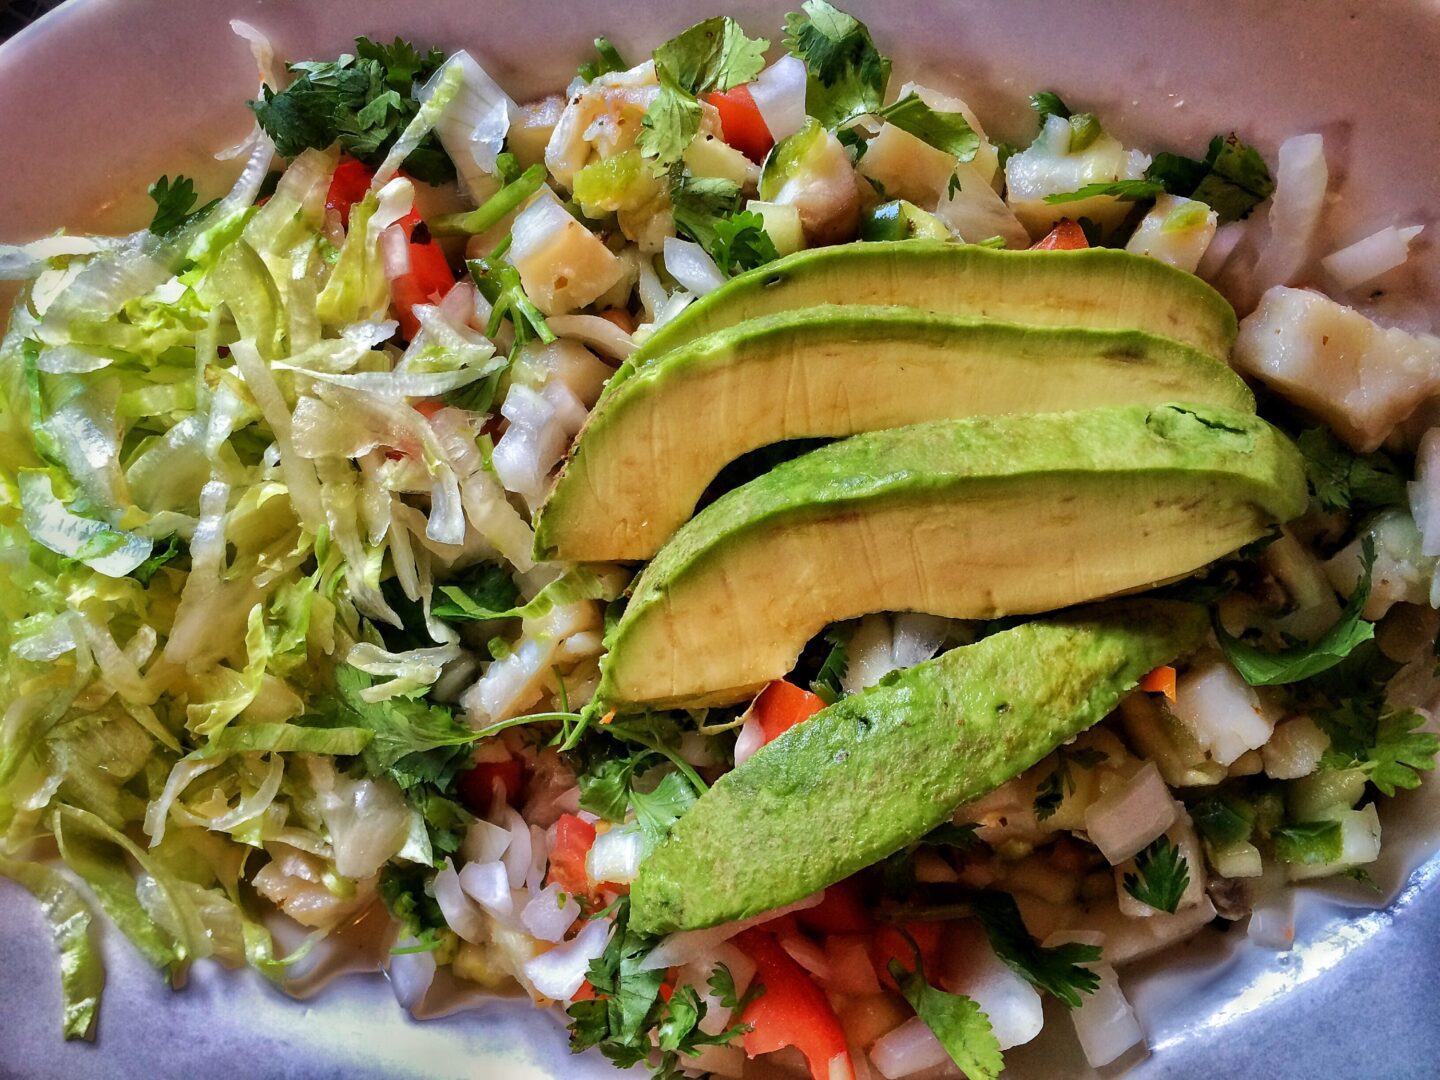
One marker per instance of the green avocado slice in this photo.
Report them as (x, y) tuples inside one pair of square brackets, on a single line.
[(970, 519), (650, 448), (878, 770), (1097, 288)]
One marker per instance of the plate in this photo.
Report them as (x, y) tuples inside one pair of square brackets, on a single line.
[(104, 95)]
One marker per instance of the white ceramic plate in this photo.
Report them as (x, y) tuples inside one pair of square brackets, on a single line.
[(104, 95)]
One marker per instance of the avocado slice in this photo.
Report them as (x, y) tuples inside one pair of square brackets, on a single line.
[(1098, 288), (649, 449), (878, 770), (971, 519)]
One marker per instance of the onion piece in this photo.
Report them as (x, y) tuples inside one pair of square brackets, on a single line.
[(1105, 1023), (395, 252), (488, 884), (603, 334), (410, 973), (779, 95), (517, 855), (750, 739), (615, 856), (1369, 258), (1424, 492), (686, 946), (558, 973), (971, 967), (550, 913), (1124, 820), (908, 1049), (690, 265), (1300, 182), (461, 913)]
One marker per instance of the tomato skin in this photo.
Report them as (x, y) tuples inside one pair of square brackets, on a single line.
[(891, 944), (741, 123), (1066, 236), (574, 837), (782, 705), (348, 186), (477, 783), (842, 911), (792, 1011), (429, 279)]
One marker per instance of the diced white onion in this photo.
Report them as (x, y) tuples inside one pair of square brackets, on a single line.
[(517, 855), (488, 884), (395, 252), (461, 913), (917, 637), (473, 125), (1124, 820), (1104, 1023), (410, 974), (908, 1049), (1424, 492), (779, 95), (615, 856), (547, 916), (1369, 258), (871, 651), (1301, 177), (690, 265), (690, 945), (972, 968), (593, 330), (750, 739), (559, 972)]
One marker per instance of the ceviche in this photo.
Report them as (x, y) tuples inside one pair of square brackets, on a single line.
[(732, 550)]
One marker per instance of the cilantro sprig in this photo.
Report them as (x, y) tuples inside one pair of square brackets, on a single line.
[(1344, 480), (174, 204), (362, 100), (1058, 969), (1060, 781), (628, 1009), (846, 76), (1302, 661), (1161, 876), (956, 1021), (1232, 178)]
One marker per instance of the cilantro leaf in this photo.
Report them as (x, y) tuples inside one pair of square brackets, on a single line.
[(955, 1020), (1057, 970), (826, 684), (1259, 668), (363, 101), (1223, 819), (960, 837), (846, 75), (1344, 480), (484, 591), (1232, 179), (1047, 103), (607, 60), (657, 810), (402, 887), (947, 131), (1161, 876), (712, 55), (1309, 842), (699, 204), (1127, 190), (741, 243), (414, 742), (173, 203), (669, 123), (722, 985), (1388, 747)]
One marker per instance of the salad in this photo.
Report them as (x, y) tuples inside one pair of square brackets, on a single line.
[(733, 551)]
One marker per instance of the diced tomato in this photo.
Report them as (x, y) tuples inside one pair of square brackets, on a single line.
[(429, 407), (891, 944), (429, 279), (1160, 681), (842, 911), (792, 1011), (477, 784), (574, 837), (585, 993), (741, 123), (782, 705), (1067, 236), (347, 187)]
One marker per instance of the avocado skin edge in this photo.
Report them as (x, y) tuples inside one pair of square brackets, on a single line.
[(881, 768)]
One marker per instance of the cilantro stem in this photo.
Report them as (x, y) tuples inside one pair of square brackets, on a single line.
[(494, 209), (680, 763), (518, 721)]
